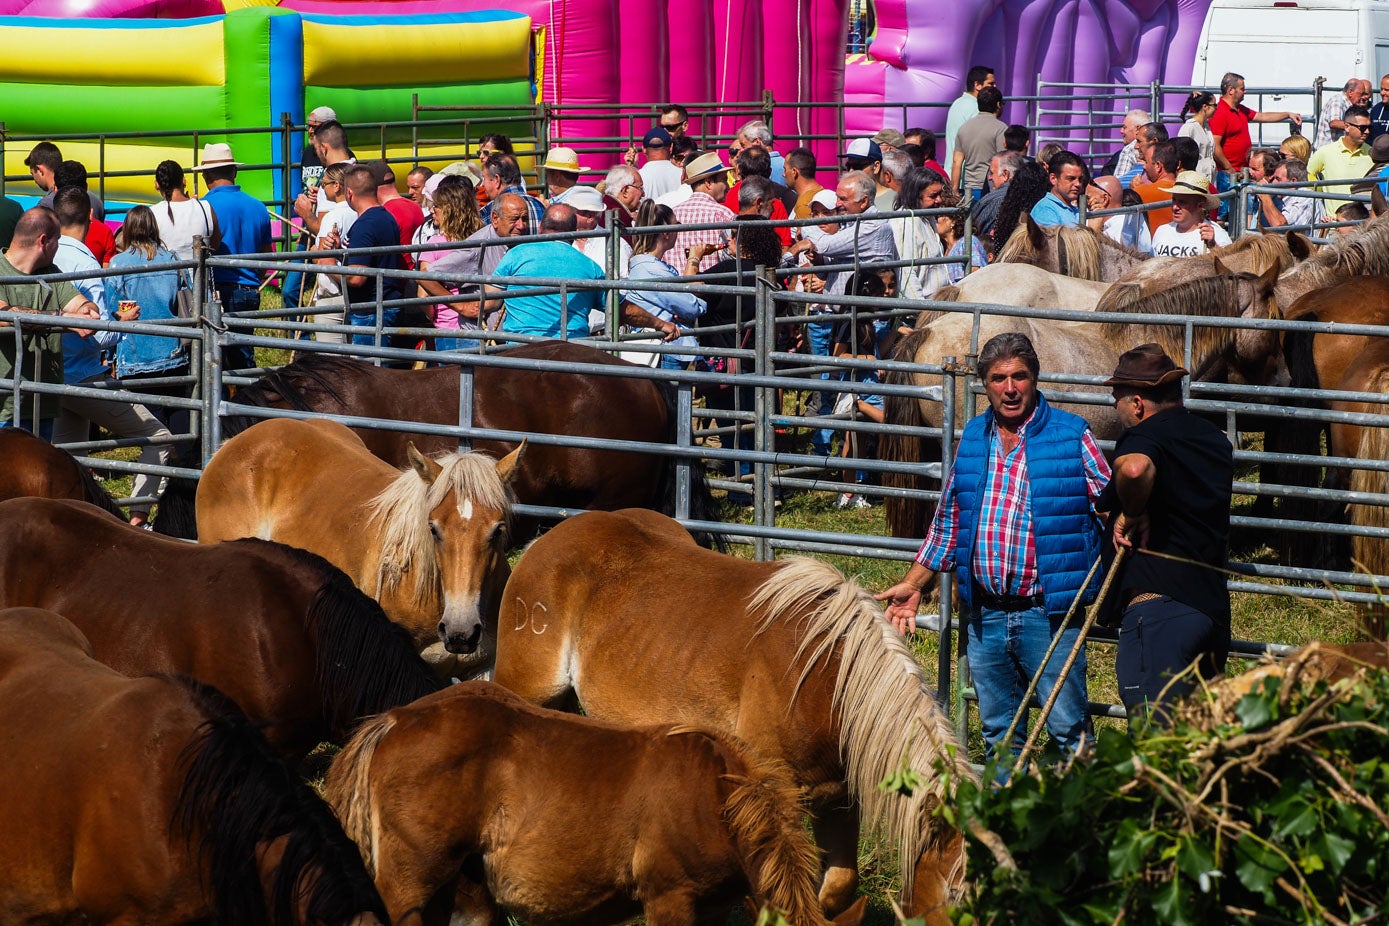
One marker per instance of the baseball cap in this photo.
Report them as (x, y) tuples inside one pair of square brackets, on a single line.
[(863, 148), (381, 172), (825, 198), (657, 137), (582, 199), (323, 114)]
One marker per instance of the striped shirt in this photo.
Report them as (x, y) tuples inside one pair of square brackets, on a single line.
[(1005, 553)]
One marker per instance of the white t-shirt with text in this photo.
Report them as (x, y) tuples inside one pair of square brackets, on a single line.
[(1168, 242)]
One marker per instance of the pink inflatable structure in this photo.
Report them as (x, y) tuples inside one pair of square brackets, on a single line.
[(921, 50)]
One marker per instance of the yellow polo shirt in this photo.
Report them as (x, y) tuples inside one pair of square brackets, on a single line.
[(1337, 162)]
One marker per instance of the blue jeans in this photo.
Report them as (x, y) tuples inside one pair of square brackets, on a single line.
[(368, 321), (819, 334), (1005, 649), (238, 298), (455, 344), (44, 429)]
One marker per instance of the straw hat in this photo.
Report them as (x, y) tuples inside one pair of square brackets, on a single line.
[(1190, 183), (706, 165), (216, 154), (563, 159)]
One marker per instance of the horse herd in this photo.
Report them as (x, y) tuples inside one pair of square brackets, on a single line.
[(161, 693), (158, 695)]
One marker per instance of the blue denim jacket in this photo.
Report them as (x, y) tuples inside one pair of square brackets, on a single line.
[(146, 353)]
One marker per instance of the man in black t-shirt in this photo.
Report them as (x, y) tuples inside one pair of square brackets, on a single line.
[(1173, 477)]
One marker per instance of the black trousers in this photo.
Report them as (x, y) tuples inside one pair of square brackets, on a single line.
[(1159, 639)]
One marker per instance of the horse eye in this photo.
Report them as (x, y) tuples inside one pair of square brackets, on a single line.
[(499, 534), (434, 529)]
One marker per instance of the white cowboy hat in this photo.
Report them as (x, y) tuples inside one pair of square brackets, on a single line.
[(216, 154)]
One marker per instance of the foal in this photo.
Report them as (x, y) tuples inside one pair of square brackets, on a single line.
[(471, 799)]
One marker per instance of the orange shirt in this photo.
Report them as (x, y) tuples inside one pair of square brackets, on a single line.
[(1156, 193)]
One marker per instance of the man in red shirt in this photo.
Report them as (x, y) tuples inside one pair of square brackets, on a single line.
[(406, 212), (1230, 124)]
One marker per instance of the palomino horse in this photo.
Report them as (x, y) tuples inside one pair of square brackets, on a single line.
[(34, 467), (1019, 284), (790, 657), (1082, 348), (281, 631), (607, 408), (428, 543), (472, 798), (1073, 251), (153, 801)]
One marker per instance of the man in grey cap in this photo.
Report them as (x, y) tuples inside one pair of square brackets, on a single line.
[(890, 140)]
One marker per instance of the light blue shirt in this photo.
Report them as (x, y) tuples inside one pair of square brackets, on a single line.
[(1050, 210), (965, 108), (681, 308), (82, 356), (541, 314)]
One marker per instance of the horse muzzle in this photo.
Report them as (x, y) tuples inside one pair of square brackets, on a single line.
[(461, 643)]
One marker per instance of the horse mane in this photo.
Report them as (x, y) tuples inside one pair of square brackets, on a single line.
[(1202, 297), (1018, 249), (1268, 250), (1368, 553), (237, 795), (401, 514), (765, 814), (1078, 252), (348, 788), (95, 493), (886, 715), (364, 663), (293, 385), (1365, 254)]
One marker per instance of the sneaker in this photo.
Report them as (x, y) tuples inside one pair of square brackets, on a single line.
[(862, 502), (845, 500)]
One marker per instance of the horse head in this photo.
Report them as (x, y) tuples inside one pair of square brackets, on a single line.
[(1257, 357), (469, 501)]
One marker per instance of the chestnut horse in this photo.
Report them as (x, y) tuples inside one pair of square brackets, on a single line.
[(1368, 372), (622, 613), (1080, 348), (281, 631), (34, 467), (607, 408), (472, 798), (428, 543), (153, 801)]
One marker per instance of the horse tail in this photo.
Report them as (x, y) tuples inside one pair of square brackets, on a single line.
[(348, 788), (905, 515), (765, 815), (176, 515), (95, 493), (364, 663), (238, 795), (1371, 553), (702, 505), (886, 715)]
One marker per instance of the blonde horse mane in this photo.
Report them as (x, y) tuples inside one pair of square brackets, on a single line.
[(1365, 254), (886, 715), (1268, 250), (1079, 250), (765, 813), (348, 788), (401, 515), (1203, 297)]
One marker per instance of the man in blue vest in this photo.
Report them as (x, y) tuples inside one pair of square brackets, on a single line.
[(1017, 525)]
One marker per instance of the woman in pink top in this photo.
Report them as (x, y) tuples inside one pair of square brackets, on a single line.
[(456, 216)]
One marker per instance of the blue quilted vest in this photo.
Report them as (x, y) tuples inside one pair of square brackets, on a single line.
[(1065, 532)]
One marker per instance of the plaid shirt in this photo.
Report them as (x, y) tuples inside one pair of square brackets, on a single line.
[(1005, 553), (699, 209), (535, 209)]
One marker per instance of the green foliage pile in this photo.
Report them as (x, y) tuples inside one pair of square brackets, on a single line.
[(1270, 809)]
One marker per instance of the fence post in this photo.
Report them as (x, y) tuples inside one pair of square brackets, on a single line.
[(764, 316), (768, 109), (946, 591), (684, 438), (209, 317), (2, 161), (287, 160), (465, 404), (1316, 105), (1155, 100), (614, 253)]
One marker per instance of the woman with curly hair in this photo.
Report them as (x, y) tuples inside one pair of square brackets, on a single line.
[(1029, 184)]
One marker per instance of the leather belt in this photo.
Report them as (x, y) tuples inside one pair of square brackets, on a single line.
[(994, 602), (1141, 597)]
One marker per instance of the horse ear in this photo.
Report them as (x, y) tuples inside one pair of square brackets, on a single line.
[(506, 466), (1378, 204), (1034, 232), (854, 915), (1269, 278), (1220, 268), (1299, 246), (423, 466)]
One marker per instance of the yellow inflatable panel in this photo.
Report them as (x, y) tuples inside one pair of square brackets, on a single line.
[(133, 55), (118, 158), (337, 55)]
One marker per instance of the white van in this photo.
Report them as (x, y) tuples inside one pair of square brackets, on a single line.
[(1288, 44)]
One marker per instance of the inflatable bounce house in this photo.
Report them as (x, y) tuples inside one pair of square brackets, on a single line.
[(164, 67)]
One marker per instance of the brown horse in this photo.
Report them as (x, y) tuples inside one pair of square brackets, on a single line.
[(281, 631), (471, 798), (1255, 254), (1362, 254), (1368, 372), (606, 408), (34, 467), (790, 657), (153, 801), (428, 543), (1080, 348), (1073, 251)]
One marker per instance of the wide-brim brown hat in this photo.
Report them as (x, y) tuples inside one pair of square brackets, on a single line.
[(1145, 366)]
